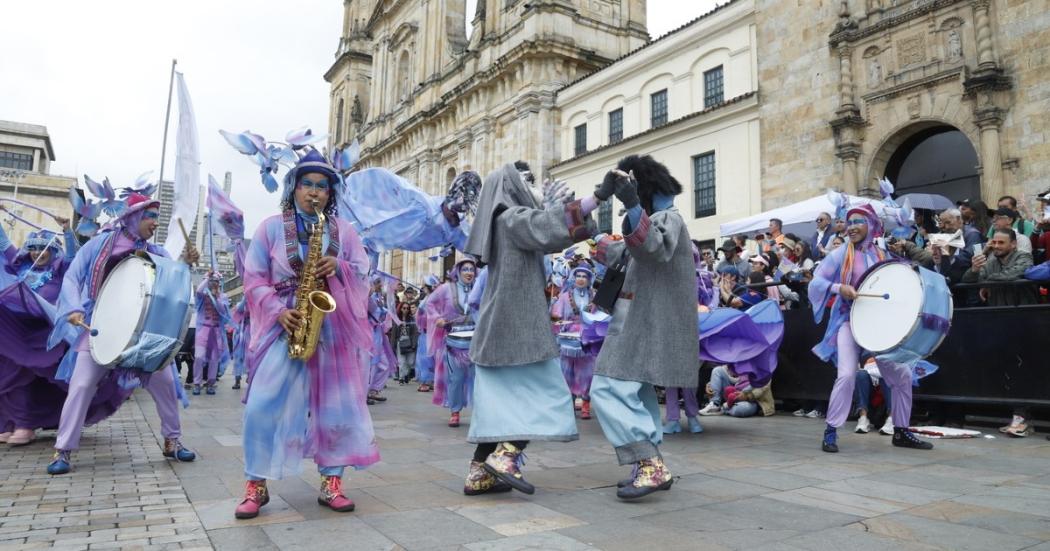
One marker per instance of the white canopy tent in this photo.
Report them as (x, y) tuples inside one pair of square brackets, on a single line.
[(799, 218)]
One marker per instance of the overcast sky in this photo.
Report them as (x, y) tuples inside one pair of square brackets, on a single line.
[(95, 72)]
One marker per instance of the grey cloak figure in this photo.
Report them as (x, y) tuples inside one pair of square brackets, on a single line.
[(651, 339)]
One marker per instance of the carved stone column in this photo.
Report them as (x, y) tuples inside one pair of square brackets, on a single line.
[(989, 119), (846, 79), (983, 28)]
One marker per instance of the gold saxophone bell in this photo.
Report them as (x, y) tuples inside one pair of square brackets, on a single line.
[(311, 298)]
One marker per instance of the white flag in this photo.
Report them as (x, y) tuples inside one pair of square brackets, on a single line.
[(187, 173)]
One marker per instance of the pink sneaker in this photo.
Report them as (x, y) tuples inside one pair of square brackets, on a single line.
[(255, 496), (332, 495)]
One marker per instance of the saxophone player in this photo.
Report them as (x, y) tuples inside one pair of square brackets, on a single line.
[(306, 403)]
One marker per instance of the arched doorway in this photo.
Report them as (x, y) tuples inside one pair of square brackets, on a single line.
[(936, 159)]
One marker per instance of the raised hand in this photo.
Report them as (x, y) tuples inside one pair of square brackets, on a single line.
[(626, 189), (557, 192)]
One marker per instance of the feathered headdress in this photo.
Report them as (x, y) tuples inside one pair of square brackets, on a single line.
[(109, 201), (298, 144)]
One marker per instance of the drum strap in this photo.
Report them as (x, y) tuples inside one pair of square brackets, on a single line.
[(101, 264), (935, 322)]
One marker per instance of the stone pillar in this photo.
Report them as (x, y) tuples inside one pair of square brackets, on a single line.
[(983, 28), (846, 78), (989, 121)]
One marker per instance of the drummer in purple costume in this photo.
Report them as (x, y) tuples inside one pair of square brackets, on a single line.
[(837, 277), (80, 288), (314, 408), (210, 345), (448, 307), (30, 396), (577, 362)]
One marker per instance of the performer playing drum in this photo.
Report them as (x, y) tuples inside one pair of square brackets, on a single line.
[(447, 311), (577, 362), (76, 309), (837, 278)]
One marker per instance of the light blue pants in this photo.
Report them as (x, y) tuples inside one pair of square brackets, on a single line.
[(720, 379), (630, 417)]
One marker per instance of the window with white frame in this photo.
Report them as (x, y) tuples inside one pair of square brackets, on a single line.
[(704, 185)]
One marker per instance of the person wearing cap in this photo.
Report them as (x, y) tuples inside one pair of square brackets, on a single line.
[(577, 361), (1021, 224), (210, 346), (836, 279), (732, 258), (1007, 219), (80, 288), (448, 311), (1041, 237), (424, 359), (313, 408)]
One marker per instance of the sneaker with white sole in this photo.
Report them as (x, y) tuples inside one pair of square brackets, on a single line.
[(887, 427), (711, 409), (815, 414), (799, 413), (863, 425)]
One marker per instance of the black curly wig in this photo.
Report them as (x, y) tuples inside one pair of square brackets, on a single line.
[(652, 177)]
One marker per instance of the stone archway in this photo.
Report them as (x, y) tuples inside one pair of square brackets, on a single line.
[(929, 156)]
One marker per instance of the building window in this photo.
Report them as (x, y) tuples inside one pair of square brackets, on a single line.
[(713, 87), (615, 126), (581, 139), (17, 161), (704, 185), (658, 102), (605, 216)]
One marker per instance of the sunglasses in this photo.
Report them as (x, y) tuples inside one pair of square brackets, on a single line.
[(307, 184), (151, 214)]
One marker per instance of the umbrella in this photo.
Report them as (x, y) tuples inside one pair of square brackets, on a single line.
[(929, 201)]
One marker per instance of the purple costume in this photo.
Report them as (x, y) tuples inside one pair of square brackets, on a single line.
[(453, 370), (80, 288), (30, 395), (846, 265), (296, 409), (577, 360), (210, 345), (383, 361)]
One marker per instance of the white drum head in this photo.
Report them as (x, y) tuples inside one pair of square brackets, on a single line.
[(120, 309), (569, 335), (882, 324), (462, 334)]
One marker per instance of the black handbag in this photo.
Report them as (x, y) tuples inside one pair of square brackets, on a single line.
[(612, 284)]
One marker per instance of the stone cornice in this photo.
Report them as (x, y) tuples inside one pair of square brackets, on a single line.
[(855, 32), (345, 57), (923, 82)]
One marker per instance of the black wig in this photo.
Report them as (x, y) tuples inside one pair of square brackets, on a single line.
[(652, 177)]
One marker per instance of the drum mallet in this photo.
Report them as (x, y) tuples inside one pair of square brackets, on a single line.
[(92, 332), (884, 296)]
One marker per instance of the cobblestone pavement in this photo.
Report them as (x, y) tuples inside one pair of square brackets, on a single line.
[(755, 484)]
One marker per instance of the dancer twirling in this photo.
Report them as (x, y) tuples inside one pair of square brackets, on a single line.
[(519, 391), (76, 302), (30, 280), (447, 311), (383, 361), (577, 361), (836, 278), (313, 408), (652, 335)]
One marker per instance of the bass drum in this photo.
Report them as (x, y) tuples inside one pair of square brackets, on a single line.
[(141, 313), (904, 312)]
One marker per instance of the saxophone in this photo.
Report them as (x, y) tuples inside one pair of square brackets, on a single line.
[(312, 299)]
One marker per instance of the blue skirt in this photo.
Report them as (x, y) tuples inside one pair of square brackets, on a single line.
[(522, 402)]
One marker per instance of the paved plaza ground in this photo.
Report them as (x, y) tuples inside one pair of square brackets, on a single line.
[(755, 484)]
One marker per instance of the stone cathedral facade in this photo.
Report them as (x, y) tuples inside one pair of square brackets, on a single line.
[(427, 102)]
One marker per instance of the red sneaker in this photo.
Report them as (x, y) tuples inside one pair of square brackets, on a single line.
[(255, 496), (332, 495), (453, 420), (585, 410)]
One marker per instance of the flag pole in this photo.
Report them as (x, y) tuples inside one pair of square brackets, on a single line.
[(167, 118)]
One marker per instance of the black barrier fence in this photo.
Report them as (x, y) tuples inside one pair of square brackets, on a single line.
[(991, 355)]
